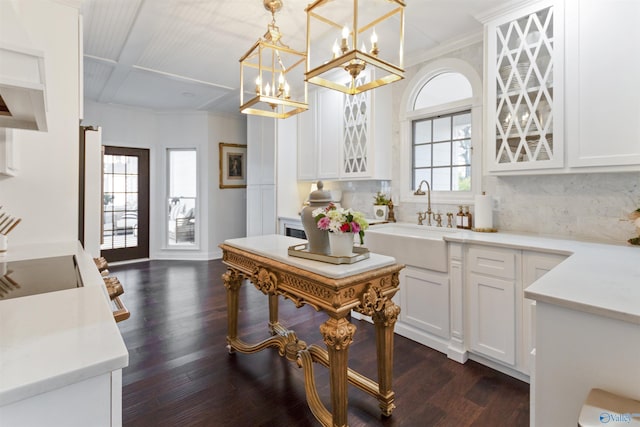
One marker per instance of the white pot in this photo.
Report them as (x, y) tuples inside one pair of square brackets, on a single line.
[(341, 244), (380, 212)]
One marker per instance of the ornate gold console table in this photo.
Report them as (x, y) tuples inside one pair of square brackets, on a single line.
[(366, 287)]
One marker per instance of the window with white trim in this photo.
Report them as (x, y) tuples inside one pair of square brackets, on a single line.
[(441, 149)]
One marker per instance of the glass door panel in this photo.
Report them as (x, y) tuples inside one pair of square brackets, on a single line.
[(125, 233)]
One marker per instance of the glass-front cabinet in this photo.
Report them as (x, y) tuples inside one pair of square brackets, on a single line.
[(356, 121), (346, 137), (524, 81)]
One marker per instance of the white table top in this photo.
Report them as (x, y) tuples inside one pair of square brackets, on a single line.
[(51, 340), (596, 278), (276, 246)]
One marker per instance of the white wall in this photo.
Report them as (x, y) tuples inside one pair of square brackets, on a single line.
[(45, 191), (227, 207), (222, 212)]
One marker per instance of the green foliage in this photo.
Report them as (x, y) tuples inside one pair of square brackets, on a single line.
[(381, 199)]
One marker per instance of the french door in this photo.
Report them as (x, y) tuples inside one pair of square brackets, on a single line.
[(125, 226)]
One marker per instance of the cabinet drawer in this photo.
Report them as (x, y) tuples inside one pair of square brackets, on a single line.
[(495, 262)]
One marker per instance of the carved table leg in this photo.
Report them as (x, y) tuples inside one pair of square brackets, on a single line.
[(338, 335), (274, 326), (384, 321), (232, 281)]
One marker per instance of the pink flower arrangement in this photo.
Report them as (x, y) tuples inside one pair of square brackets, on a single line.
[(340, 220)]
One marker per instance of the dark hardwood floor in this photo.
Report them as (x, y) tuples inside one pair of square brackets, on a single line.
[(180, 373)]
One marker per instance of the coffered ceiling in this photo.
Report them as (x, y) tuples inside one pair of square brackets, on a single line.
[(184, 54)]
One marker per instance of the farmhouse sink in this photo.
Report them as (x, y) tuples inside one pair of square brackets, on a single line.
[(410, 244)]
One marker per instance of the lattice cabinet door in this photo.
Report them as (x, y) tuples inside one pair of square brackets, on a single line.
[(357, 135), (525, 69)]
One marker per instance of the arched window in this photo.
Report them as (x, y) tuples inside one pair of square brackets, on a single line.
[(443, 89), (443, 109)]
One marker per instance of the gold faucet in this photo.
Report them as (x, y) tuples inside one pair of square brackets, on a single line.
[(420, 192)]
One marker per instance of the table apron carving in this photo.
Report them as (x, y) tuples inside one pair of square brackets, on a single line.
[(368, 293)]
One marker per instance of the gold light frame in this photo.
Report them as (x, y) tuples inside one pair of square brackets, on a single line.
[(266, 62), (346, 67)]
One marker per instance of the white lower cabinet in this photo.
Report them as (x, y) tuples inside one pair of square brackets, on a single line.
[(492, 289), (500, 321), (491, 311), (95, 402), (534, 266), (424, 303), (423, 298)]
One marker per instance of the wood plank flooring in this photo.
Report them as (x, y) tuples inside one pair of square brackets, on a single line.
[(180, 373)]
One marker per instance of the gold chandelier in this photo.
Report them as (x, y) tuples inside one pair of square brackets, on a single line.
[(341, 67), (273, 74)]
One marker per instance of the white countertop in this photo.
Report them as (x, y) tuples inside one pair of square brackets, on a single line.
[(276, 246), (598, 278), (51, 340)]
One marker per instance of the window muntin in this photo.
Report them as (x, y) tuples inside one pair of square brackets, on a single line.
[(441, 151)]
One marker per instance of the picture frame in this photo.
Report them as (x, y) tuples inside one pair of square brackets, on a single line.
[(233, 165)]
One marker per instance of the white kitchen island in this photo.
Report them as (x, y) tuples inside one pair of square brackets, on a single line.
[(61, 353)]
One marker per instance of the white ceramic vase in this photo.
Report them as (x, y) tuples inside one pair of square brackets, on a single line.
[(380, 212), (341, 244)]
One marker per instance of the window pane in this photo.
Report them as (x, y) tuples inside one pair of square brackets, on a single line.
[(119, 163), (420, 175), (446, 161), (462, 152), (461, 178), (181, 199), (462, 126), (442, 154), (442, 129), (132, 165), (132, 183), (441, 179), (422, 131), (182, 169), (422, 156), (442, 89)]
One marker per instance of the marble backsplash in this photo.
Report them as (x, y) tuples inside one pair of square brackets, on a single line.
[(578, 206)]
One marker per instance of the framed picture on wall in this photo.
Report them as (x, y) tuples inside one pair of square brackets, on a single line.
[(233, 165)]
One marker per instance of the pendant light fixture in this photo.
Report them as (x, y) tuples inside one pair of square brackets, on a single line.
[(345, 38), (272, 74)]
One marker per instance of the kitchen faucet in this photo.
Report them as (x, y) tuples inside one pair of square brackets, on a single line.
[(420, 192)]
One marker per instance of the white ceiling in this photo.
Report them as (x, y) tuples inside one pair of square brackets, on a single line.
[(184, 54)]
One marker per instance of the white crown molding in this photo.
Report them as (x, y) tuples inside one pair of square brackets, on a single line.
[(462, 42), (496, 12)]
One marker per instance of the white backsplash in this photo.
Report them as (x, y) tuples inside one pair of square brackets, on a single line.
[(590, 206), (579, 206)]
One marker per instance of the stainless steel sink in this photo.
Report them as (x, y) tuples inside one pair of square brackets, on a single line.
[(417, 245)]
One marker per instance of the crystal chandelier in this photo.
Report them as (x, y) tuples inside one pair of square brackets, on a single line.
[(272, 74), (337, 53)]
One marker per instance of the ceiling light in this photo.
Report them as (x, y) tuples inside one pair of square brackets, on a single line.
[(345, 38), (273, 74)]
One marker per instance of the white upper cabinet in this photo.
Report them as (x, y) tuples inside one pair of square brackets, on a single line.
[(562, 87), (524, 72), (603, 112), (346, 137)]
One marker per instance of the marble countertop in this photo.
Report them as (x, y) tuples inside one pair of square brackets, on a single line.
[(51, 340), (276, 247), (597, 278)]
